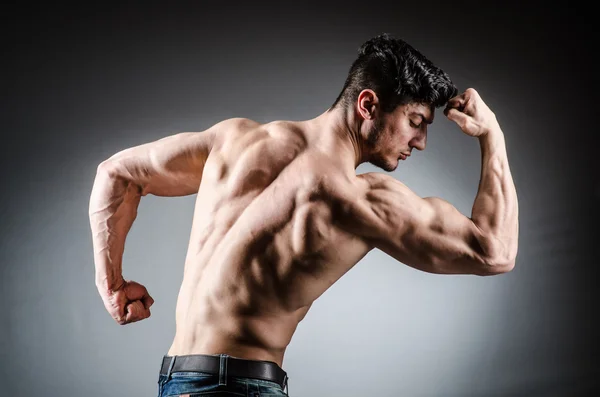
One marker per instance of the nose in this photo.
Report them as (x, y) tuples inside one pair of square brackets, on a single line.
[(420, 141)]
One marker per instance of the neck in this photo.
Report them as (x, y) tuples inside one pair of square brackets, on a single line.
[(343, 135)]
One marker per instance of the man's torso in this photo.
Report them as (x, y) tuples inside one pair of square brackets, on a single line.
[(268, 238)]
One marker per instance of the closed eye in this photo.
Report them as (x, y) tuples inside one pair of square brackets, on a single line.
[(414, 125)]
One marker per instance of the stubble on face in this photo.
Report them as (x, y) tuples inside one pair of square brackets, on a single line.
[(374, 143)]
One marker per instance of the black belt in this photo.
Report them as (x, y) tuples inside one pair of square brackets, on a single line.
[(265, 370)]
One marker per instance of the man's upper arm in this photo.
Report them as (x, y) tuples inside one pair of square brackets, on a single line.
[(171, 166), (428, 234)]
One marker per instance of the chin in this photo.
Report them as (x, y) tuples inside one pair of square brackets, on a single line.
[(385, 164), (391, 168)]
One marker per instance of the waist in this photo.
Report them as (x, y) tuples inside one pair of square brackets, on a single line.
[(224, 365)]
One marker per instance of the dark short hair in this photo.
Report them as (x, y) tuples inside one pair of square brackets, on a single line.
[(397, 73)]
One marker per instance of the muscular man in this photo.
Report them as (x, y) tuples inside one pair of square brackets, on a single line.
[(281, 215)]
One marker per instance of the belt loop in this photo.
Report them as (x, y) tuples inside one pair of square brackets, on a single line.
[(170, 367), (286, 387), (223, 369)]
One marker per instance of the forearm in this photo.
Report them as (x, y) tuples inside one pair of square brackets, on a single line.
[(113, 208), (495, 210)]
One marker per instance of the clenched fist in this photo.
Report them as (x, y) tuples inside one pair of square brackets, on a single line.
[(471, 114), (128, 303)]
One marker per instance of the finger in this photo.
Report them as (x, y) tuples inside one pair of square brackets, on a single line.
[(458, 117), (136, 312), (148, 301), (135, 291), (132, 312), (121, 313), (456, 102), (471, 92)]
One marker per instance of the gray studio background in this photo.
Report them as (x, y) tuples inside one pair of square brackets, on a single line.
[(86, 83)]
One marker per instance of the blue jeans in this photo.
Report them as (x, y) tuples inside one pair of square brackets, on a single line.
[(196, 384)]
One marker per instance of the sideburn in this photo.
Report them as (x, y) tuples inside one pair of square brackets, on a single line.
[(375, 133)]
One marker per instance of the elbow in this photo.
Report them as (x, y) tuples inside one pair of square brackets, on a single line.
[(496, 267), (501, 260), (102, 167), (107, 167), (500, 264), (115, 172), (499, 257)]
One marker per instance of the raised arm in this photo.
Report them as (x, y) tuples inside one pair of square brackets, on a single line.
[(432, 235), (428, 234)]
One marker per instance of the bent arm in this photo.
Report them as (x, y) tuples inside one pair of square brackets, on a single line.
[(431, 235), (171, 166)]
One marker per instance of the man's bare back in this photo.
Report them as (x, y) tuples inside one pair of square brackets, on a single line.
[(268, 238)]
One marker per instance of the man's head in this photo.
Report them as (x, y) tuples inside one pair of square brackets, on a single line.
[(393, 90)]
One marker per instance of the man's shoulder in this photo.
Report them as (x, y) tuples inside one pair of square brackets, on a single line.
[(375, 180), (286, 132), (236, 124), (231, 129), (368, 186)]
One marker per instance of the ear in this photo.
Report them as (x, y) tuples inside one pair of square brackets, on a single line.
[(367, 104)]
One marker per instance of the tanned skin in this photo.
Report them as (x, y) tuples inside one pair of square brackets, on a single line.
[(281, 215)]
